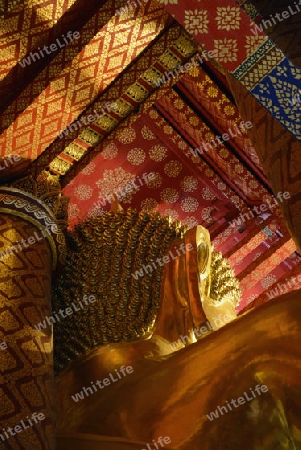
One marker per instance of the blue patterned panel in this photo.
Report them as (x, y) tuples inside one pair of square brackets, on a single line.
[(280, 93)]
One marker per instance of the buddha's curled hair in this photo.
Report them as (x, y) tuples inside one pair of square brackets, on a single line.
[(104, 253)]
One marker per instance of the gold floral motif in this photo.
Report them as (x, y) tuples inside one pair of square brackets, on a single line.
[(169, 195), (228, 18), (153, 114), (238, 168), (189, 184), (171, 213), (169, 60), (90, 136), (179, 103), (149, 204), (107, 122), (206, 213), (253, 43), (114, 181), (212, 92), (229, 110), (151, 76), (168, 129), (60, 165), (196, 22), (158, 153), (221, 186), (137, 92), (155, 182), (147, 133), (193, 120), (173, 168), (224, 153), (268, 281), (127, 136), (182, 145), (190, 221), (83, 192), (75, 151), (189, 204), (73, 210), (89, 169), (226, 50), (122, 108), (208, 194), (136, 156), (110, 151)]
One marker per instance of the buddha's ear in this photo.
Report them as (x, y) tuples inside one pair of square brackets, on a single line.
[(115, 205), (204, 250)]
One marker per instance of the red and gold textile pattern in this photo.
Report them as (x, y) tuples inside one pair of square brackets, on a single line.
[(27, 26), (21, 75), (147, 143), (174, 189), (220, 26), (283, 279), (259, 272), (120, 85), (130, 100), (257, 63), (198, 133), (27, 378), (81, 81)]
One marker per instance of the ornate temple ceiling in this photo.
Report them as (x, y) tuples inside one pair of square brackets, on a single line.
[(90, 110)]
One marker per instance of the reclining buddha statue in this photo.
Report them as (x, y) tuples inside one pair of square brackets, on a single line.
[(146, 275), (156, 283), (148, 351)]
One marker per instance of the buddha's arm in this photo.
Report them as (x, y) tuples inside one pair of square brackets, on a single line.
[(173, 396)]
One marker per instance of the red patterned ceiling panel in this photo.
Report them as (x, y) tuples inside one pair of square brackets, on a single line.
[(115, 91), (220, 26), (78, 84)]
